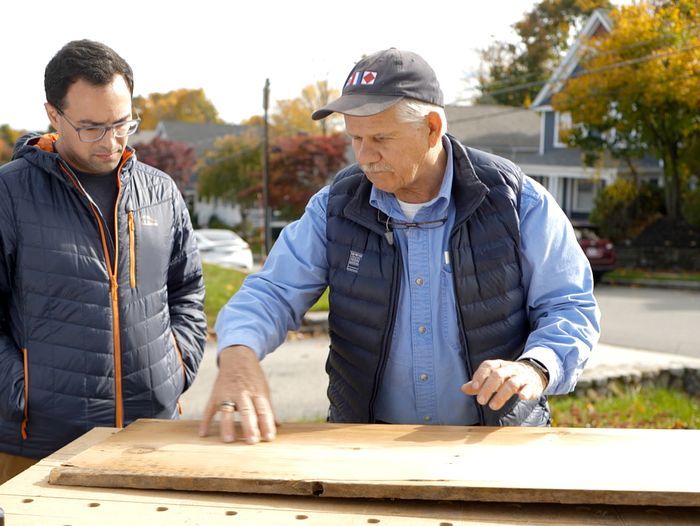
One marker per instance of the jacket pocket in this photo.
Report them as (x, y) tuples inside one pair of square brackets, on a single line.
[(132, 251), (25, 418), (179, 359)]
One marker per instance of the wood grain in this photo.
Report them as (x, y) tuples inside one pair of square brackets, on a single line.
[(28, 500), (440, 463)]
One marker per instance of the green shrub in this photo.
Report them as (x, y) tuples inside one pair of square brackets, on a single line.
[(691, 207), (622, 209)]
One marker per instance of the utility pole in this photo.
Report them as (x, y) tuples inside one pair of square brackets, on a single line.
[(266, 172)]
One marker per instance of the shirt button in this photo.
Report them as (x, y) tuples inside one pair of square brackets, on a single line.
[(419, 281), (427, 418), (422, 329), (423, 377)]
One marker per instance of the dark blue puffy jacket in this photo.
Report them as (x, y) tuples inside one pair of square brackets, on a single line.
[(85, 342)]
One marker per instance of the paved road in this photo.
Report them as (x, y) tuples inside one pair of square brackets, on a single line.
[(295, 373), (660, 320)]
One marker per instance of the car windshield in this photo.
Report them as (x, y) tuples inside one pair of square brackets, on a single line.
[(585, 233)]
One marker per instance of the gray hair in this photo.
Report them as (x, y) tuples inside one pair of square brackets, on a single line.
[(411, 110)]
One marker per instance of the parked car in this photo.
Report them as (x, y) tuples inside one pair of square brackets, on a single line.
[(599, 251), (224, 247)]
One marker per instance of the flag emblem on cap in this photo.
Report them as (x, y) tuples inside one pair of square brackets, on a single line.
[(368, 77), (354, 78)]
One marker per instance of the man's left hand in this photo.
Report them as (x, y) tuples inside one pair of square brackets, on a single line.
[(496, 381)]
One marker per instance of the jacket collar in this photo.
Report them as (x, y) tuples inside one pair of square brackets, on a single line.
[(38, 150), (468, 191)]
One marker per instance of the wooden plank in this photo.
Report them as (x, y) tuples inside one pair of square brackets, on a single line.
[(28, 500), (547, 465)]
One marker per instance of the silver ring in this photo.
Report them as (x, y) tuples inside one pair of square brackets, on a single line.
[(227, 406)]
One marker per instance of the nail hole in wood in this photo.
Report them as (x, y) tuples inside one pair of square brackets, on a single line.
[(301, 517), (230, 513), (317, 489), (93, 505), (372, 521), (161, 508), (27, 501), (445, 524)]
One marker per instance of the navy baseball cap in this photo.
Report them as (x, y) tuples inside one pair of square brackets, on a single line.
[(379, 81)]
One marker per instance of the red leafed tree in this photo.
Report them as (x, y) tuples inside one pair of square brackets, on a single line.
[(301, 165), (5, 152), (175, 158)]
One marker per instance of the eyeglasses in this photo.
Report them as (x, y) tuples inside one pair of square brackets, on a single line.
[(391, 224), (95, 133), (388, 222)]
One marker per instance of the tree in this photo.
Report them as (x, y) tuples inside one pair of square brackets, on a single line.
[(185, 105), (231, 169), (512, 74), (174, 158), (5, 152), (8, 138), (640, 83), (293, 116), (300, 166)]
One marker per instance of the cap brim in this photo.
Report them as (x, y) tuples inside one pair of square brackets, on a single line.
[(357, 105)]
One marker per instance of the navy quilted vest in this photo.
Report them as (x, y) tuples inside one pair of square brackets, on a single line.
[(484, 246)]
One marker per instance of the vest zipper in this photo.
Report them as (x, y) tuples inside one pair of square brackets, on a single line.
[(113, 288), (25, 419), (132, 251), (386, 338)]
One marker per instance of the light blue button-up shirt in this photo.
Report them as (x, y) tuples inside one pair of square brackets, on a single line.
[(426, 365)]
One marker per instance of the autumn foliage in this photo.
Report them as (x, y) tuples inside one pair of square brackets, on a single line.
[(184, 105), (640, 84), (174, 158), (300, 166), (513, 74)]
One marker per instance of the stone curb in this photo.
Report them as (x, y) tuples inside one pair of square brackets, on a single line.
[(685, 379)]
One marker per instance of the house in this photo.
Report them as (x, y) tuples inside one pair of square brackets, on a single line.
[(532, 138), (560, 168)]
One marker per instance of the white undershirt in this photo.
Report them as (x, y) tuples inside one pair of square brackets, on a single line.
[(411, 209)]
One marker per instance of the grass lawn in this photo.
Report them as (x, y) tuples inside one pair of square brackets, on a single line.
[(648, 408), (221, 283)]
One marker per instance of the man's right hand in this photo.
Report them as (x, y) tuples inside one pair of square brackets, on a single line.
[(241, 381)]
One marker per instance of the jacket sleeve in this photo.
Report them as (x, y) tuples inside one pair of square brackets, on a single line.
[(11, 364), (186, 292)]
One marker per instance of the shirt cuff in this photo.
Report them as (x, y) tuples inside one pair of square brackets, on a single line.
[(549, 359)]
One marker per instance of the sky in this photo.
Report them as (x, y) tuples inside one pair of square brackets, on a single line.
[(229, 48)]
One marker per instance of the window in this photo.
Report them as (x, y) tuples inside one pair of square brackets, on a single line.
[(584, 195), (562, 124)]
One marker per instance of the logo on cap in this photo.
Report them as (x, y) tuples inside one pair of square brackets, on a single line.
[(364, 78), (369, 77)]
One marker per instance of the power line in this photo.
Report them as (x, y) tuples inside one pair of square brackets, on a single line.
[(601, 69), (509, 83), (517, 109)]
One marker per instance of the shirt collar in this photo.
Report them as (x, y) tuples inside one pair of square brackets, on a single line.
[(387, 203)]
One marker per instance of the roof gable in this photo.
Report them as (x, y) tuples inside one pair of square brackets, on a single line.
[(598, 24)]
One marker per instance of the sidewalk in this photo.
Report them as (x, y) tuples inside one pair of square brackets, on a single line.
[(297, 378)]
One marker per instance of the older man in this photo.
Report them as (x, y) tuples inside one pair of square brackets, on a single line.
[(458, 292)]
